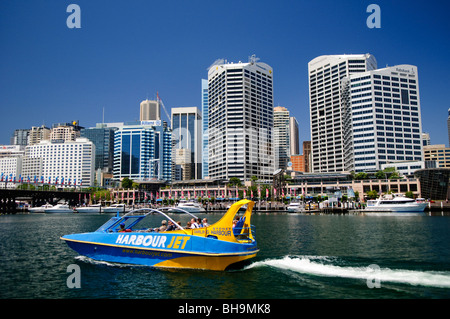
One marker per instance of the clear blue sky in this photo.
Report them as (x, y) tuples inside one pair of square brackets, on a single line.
[(126, 51)]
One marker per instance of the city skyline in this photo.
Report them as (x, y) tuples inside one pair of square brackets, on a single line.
[(52, 74)]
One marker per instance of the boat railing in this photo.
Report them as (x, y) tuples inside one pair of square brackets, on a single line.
[(242, 234), (140, 214)]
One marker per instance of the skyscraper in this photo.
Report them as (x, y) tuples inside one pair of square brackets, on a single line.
[(281, 134), (150, 111), (143, 152), (103, 139), (327, 108), (187, 135), (448, 127), (38, 134), (240, 110), (20, 137), (205, 135), (293, 136), (385, 120)]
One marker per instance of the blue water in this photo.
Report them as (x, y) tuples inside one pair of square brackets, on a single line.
[(301, 257)]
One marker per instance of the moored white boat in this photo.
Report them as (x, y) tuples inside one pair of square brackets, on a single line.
[(191, 207), (295, 207), (97, 208), (40, 209), (60, 208), (396, 203), (114, 208)]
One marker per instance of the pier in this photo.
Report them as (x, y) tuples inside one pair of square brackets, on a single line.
[(10, 197)]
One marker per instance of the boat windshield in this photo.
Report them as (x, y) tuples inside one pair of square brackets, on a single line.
[(395, 202), (145, 220), (148, 219)]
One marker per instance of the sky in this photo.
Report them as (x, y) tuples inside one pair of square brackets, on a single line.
[(127, 51)]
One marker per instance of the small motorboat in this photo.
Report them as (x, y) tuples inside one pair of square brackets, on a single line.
[(60, 208), (295, 207), (214, 247)]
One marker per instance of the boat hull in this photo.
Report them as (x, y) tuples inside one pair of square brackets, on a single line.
[(88, 210), (418, 207), (109, 209), (189, 209), (58, 211), (161, 250)]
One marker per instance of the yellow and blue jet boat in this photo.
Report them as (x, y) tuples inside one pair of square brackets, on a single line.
[(215, 247)]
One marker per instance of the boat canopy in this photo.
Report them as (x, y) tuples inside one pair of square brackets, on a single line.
[(221, 230)]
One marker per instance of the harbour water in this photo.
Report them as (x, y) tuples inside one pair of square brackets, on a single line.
[(301, 257)]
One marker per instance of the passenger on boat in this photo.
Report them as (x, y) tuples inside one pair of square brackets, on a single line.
[(188, 225), (122, 228), (199, 222), (194, 223), (171, 226), (163, 226), (205, 222)]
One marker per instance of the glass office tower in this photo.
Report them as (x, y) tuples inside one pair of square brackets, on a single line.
[(143, 152), (187, 135)]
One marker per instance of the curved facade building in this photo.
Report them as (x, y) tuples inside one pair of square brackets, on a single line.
[(434, 182)]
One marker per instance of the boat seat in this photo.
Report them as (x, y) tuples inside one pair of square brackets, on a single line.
[(238, 228)]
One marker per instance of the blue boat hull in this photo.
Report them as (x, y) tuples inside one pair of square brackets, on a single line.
[(161, 250)]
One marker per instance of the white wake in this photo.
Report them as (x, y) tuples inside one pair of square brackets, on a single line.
[(323, 266)]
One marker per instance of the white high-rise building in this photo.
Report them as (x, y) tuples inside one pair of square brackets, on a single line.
[(240, 110), (385, 121), (10, 164), (61, 162), (328, 107), (281, 137), (205, 128)]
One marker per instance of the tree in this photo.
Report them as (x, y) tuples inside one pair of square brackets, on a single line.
[(380, 175), (409, 194), (394, 175), (235, 181), (372, 194), (127, 183), (361, 175)]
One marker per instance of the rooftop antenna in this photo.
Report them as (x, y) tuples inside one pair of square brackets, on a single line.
[(103, 116), (253, 59)]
